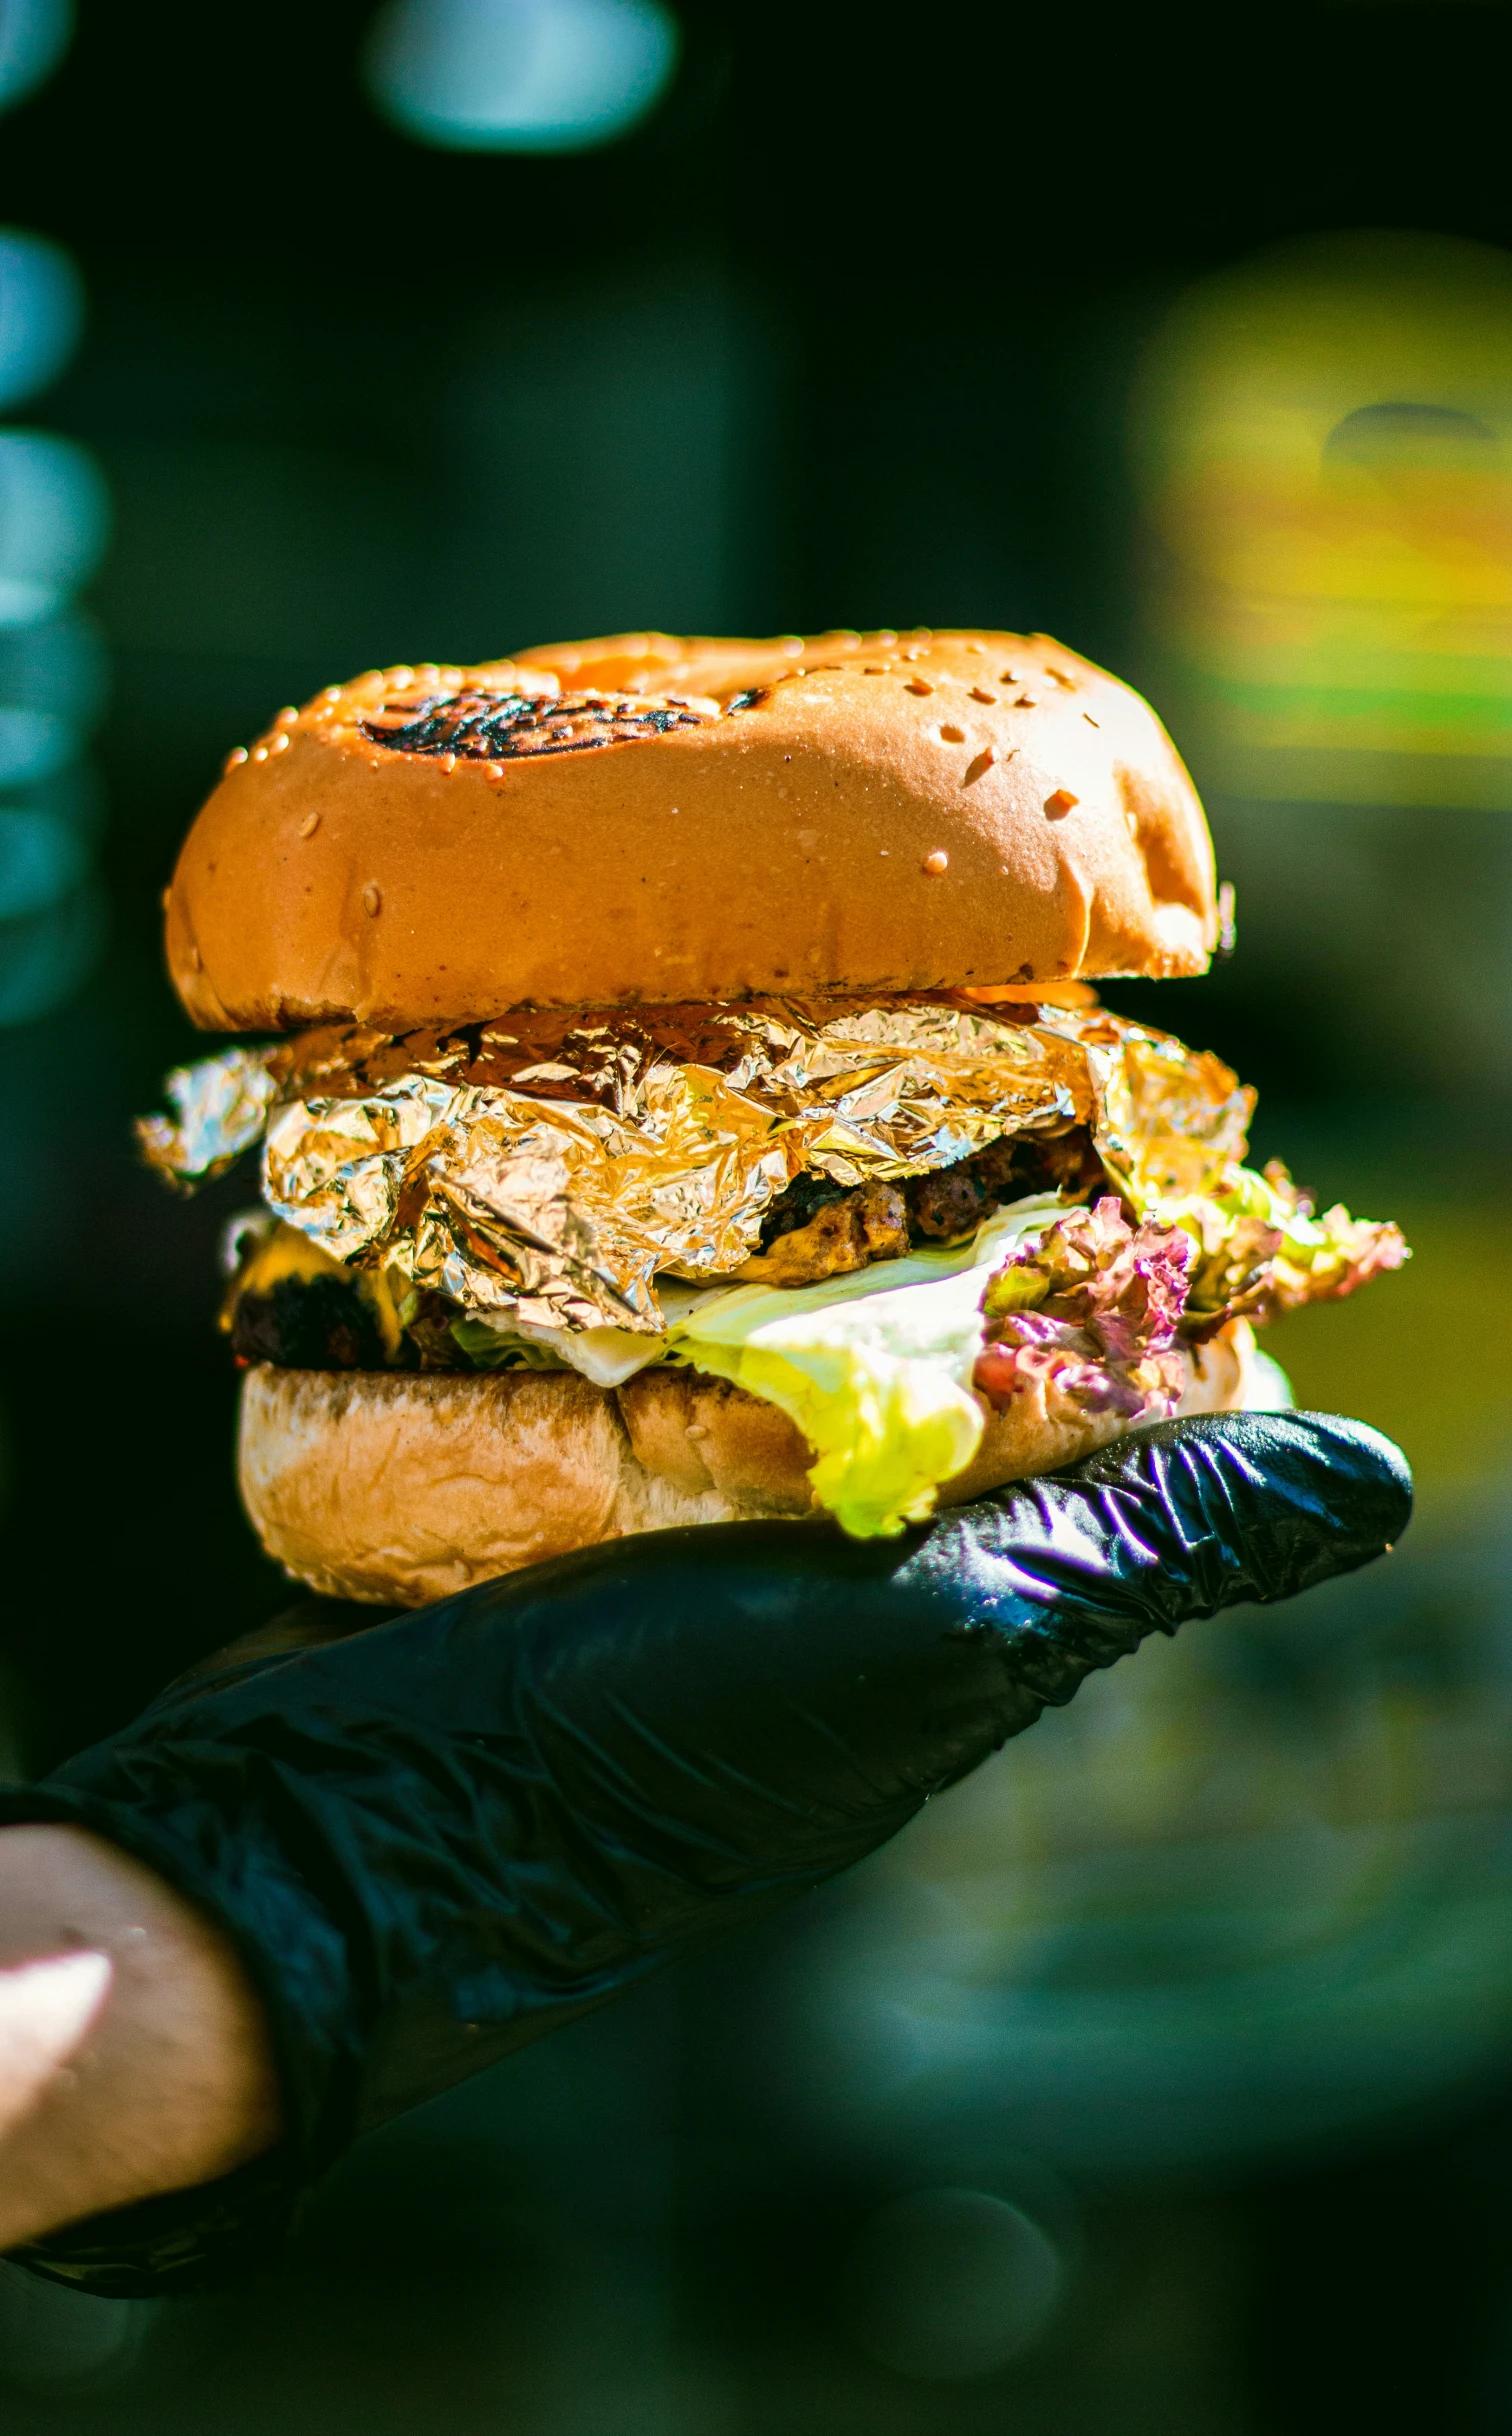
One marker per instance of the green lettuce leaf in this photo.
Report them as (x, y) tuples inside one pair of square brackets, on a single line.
[(874, 1368), (1261, 1248), (489, 1349)]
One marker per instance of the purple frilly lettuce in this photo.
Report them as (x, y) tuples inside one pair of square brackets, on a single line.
[(1094, 1306)]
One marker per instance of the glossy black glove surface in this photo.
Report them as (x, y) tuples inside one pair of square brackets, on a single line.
[(434, 1840)]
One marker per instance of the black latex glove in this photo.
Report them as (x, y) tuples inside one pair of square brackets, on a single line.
[(434, 1840)]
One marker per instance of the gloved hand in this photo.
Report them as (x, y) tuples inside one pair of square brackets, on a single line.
[(433, 1840)]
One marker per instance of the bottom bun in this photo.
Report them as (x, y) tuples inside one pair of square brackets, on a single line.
[(401, 1486)]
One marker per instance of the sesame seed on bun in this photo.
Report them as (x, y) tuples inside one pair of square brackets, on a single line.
[(651, 818)]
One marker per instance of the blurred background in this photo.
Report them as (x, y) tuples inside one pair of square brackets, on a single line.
[(1161, 2077)]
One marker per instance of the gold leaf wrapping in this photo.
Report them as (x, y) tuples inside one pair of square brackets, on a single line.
[(1170, 1120), (549, 1166), (220, 1108)]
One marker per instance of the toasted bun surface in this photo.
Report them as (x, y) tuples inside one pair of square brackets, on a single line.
[(650, 818), (399, 1486)]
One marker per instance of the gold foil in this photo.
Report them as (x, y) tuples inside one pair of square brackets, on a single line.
[(547, 1167), (220, 1108)]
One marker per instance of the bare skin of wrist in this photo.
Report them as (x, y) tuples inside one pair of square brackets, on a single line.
[(134, 2056)]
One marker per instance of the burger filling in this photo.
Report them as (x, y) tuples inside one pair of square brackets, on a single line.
[(890, 1219)]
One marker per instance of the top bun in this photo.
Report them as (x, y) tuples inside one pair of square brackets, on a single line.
[(649, 818)]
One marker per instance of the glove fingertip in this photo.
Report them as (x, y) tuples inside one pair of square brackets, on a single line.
[(1322, 1495), (1375, 1467), (1350, 1474), (1258, 1505)]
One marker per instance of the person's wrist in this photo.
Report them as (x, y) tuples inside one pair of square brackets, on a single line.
[(134, 2055)]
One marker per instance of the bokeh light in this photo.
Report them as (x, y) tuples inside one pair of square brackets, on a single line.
[(34, 34), (1324, 443), (41, 860), (46, 958), (41, 314), (520, 75), (52, 687), (948, 2284), (54, 524)]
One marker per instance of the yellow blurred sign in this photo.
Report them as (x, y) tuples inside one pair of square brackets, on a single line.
[(1323, 442)]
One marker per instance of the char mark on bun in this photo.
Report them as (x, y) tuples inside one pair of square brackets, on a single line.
[(499, 727), (686, 1098)]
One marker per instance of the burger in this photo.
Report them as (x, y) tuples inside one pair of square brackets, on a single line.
[(681, 1094)]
